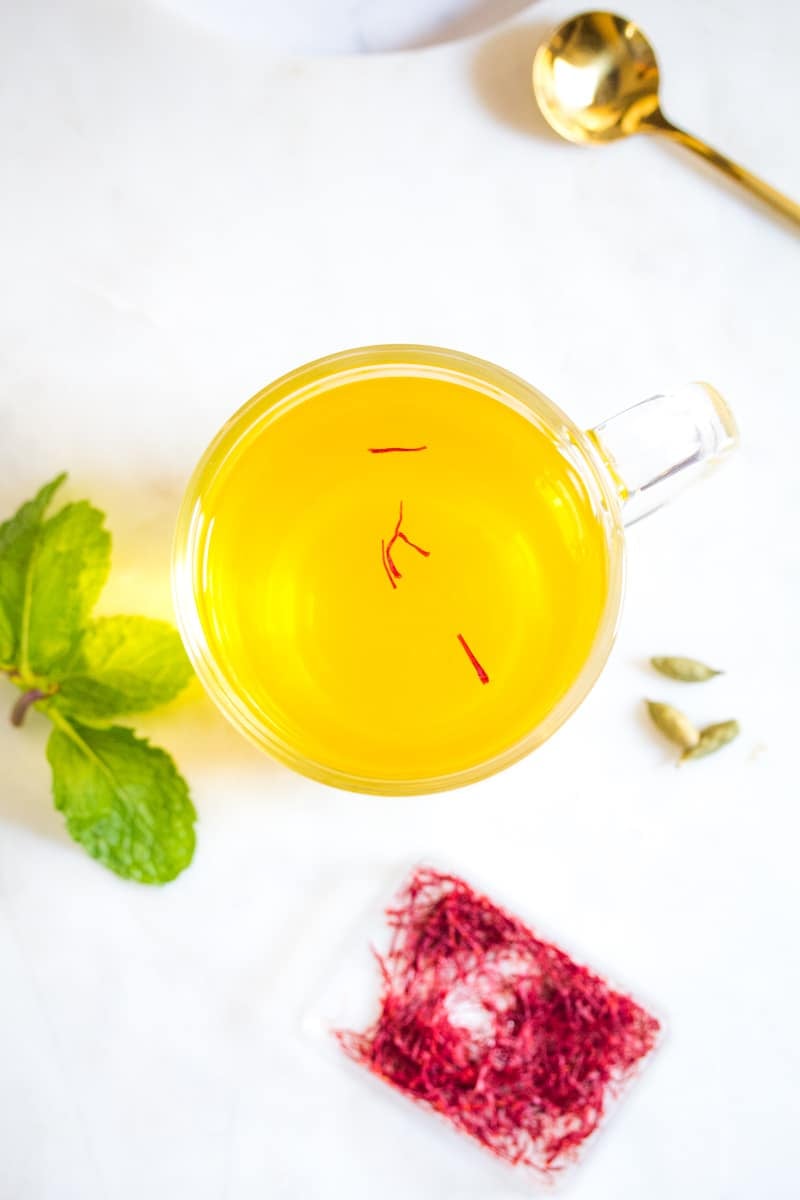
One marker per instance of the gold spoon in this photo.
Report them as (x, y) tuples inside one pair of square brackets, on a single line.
[(596, 80)]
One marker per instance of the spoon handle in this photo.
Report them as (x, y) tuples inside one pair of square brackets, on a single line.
[(658, 123)]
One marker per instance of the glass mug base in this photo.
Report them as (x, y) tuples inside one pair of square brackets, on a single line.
[(399, 569)]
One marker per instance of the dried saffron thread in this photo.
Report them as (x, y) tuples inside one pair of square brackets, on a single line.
[(391, 542), (390, 565), (425, 553), (385, 563), (395, 449), (501, 1032), (479, 671)]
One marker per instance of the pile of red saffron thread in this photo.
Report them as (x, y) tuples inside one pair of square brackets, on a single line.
[(504, 1034)]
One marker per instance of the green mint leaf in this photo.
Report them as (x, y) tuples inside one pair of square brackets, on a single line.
[(124, 800), (123, 665), (18, 538), (66, 573), (6, 640)]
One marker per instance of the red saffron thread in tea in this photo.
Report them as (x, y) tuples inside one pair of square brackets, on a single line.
[(501, 1032), (425, 553), (396, 449), (386, 549), (385, 563), (479, 671), (392, 541)]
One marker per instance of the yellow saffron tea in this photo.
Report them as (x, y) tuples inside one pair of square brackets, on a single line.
[(401, 575)]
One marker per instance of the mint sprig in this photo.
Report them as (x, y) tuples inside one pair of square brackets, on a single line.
[(123, 800)]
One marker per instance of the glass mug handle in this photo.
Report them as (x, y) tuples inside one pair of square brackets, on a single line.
[(659, 446)]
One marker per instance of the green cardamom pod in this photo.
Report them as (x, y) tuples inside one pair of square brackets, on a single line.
[(712, 738), (673, 724), (686, 670)]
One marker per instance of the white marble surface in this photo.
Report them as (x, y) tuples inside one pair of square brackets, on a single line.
[(186, 215)]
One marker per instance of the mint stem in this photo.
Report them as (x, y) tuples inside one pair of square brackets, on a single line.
[(20, 709)]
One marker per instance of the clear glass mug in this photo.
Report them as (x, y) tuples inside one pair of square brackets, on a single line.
[(399, 569)]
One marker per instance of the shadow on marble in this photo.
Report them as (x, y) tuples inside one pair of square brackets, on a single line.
[(501, 74), (331, 27), (473, 19)]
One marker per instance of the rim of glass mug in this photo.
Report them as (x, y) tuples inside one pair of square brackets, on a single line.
[(606, 459)]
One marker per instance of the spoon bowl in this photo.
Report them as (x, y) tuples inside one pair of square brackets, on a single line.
[(596, 80)]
